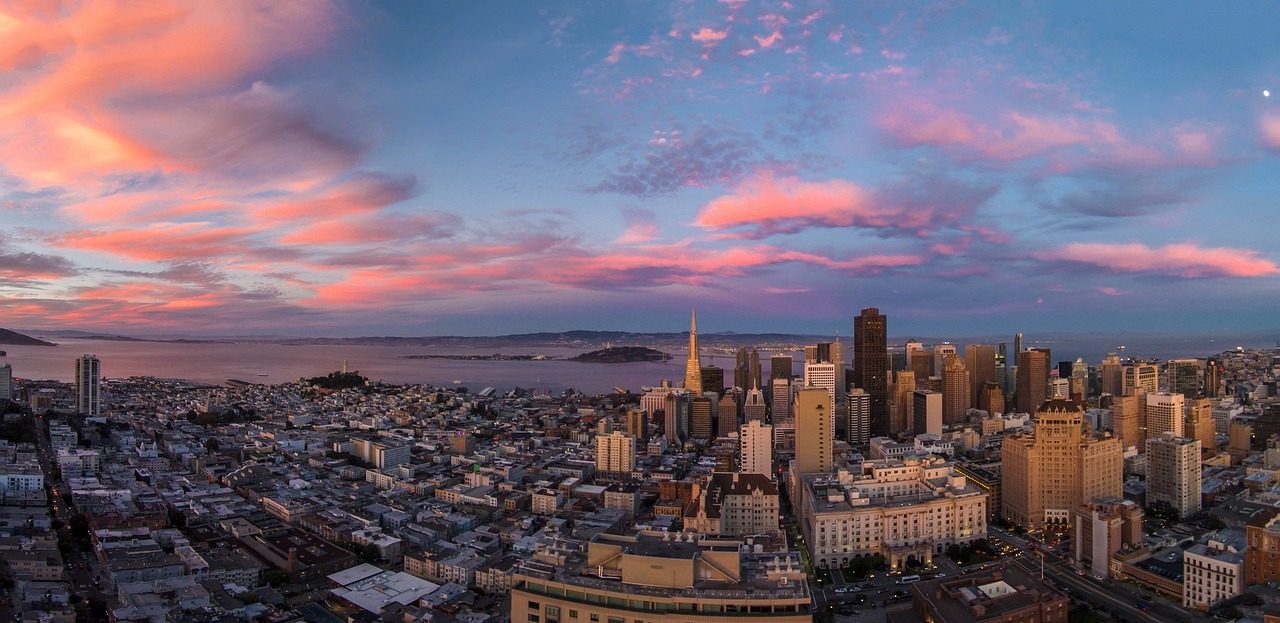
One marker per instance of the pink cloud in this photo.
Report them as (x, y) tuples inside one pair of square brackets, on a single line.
[(642, 226), (767, 42), (81, 78), (766, 205), (1064, 142), (163, 241), (1178, 260), (1269, 128), (363, 230), (361, 194), (708, 35)]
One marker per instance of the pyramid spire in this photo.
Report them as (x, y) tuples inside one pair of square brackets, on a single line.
[(693, 368)]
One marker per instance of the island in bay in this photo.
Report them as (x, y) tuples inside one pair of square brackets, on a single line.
[(622, 354)]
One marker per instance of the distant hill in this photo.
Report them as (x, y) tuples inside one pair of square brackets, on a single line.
[(14, 338)]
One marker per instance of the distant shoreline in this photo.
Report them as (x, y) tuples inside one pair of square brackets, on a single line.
[(493, 357)]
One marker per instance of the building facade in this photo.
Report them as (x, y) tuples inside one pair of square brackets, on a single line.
[(1173, 473), (871, 365), (905, 510), (1057, 467)]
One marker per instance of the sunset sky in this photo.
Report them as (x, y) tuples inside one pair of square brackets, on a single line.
[(483, 167)]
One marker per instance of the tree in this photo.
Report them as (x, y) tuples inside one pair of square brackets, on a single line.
[(370, 553), (275, 577), (211, 445)]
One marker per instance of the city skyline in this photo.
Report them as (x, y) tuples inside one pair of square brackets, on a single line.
[(403, 169)]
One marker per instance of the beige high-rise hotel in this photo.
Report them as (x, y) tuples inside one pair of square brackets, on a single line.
[(1048, 473)]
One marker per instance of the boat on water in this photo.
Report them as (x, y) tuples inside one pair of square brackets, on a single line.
[(457, 382)]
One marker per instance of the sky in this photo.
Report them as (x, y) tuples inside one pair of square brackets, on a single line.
[(478, 167)]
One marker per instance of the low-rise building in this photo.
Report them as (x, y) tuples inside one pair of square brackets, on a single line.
[(1005, 594), (1213, 571), (735, 504)]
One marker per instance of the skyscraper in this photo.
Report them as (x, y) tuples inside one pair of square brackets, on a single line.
[(780, 405), (638, 423), (940, 354), (955, 390), (904, 387), (926, 412), (814, 434), (1173, 468), (1141, 378), (1200, 424), (693, 367), (700, 417), (755, 409), (980, 359), (1184, 377), (1213, 378), (753, 370), (1126, 420), (727, 412), (991, 399), (713, 379), (1165, 413), (1017, 349), (615, 455), (1048, 473), (6, 382), (821, 375), (1033, 375), (1112, 375), (676, 420), (1079, 380), (88, 384), (755, 448), (741, 369), (859, 417), (781, 367), (871, 365)]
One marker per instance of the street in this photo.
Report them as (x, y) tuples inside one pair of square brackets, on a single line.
[(1117, 598)]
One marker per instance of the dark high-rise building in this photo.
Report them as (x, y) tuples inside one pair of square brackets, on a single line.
[(728, 412), (920, 361), (1212, 378), (1017, 348), (871, 365), (781, 367), (980, 359), (1033, 375), (701, 414), (740, 370), (1064, 369), (713, 379), (753, 370)]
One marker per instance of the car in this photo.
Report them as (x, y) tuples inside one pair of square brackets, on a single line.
[(844, 589), (940, 575), (1079, 571), (1098, 577)]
